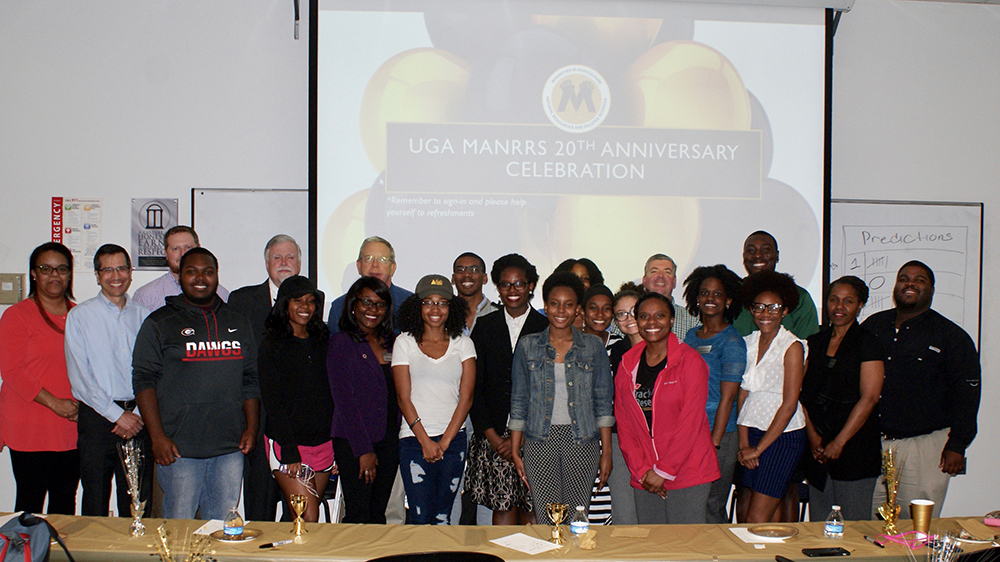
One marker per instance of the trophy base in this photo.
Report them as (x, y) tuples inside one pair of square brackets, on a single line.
[(137, 529)]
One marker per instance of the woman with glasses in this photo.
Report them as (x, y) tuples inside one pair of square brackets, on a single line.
[(561, 404), (37, 409), (434, 367), (623, 310), (366, 415), (771, 422), (839, 394), (709, 293), (661, 387), (296, 394), (490, 476)]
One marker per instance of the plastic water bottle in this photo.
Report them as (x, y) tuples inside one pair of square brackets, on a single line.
[(579, 524), (834, 527), (233, 525)]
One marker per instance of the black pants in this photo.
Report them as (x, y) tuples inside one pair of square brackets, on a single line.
[(99, 461), (366, 503), (37, 473), (261, 493)]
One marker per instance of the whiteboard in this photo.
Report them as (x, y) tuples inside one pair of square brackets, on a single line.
[(235, 224), (873, 239)]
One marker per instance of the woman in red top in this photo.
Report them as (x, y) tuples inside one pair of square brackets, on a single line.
[(37, 409), (660, 392)]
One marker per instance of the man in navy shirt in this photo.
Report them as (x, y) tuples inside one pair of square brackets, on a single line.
[(930, 398)]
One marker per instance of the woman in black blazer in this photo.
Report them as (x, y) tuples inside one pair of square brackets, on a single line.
[(490, 476)]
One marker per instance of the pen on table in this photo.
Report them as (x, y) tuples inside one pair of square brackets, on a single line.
[(874, 542), (780, 558), (274, 544)]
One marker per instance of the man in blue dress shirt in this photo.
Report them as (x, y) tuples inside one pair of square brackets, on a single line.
[(100, 335)]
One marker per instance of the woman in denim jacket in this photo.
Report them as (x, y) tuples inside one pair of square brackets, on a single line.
[(561, 404)]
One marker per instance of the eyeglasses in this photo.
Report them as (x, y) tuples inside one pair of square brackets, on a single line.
[(759, 308), (439, 304), (382, 260), (473, 269), (110, 270), (46, 269), (504, 285), (377, 305), (623, 314)]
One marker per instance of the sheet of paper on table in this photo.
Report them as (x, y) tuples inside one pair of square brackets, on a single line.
[(524, 543), (746, 536), (209, 527)]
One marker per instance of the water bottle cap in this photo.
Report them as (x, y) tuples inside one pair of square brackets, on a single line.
[(836, 507)]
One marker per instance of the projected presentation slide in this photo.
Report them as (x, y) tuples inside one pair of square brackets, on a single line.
[(568, 129)]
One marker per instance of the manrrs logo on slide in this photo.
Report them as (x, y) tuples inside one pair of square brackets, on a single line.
[(576, 98)]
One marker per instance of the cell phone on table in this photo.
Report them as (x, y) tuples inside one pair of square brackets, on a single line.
[(830, 551)]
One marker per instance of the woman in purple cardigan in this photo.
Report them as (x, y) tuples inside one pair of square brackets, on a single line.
[(366, 416)]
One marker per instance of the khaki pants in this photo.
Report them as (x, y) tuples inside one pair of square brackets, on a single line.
[(917, 469)]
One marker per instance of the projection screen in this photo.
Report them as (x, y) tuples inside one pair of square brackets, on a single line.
[(558, 129)]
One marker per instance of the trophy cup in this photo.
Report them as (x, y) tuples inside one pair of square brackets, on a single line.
[(130, 453), (557, 513), (298, 503), (889, 510)]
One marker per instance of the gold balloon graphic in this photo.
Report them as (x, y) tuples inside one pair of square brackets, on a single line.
[(416, 86), (648, 225), (612, 39), (342, 236), (687, 85)]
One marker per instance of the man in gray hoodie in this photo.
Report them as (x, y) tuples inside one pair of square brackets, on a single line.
[(194, 373)]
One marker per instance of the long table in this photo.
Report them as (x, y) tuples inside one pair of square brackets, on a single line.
[(106, 540)]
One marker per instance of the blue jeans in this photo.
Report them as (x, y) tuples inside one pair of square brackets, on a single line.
[(213, 484), (431, 487)]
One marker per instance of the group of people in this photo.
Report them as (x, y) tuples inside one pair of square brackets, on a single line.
[(662, 404)]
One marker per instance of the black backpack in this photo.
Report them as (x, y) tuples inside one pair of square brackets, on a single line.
[(26, 538)]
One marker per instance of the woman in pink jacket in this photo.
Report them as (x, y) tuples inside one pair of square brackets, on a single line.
[(660, 392)]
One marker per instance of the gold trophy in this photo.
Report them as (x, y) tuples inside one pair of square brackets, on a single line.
[(889, 510), (298, 503), (557, 513)]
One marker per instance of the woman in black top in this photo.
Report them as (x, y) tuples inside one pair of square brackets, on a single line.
[(839, 393), (490, 477), (296, 392)]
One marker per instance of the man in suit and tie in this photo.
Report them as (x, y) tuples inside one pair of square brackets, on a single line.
[(283, 259)]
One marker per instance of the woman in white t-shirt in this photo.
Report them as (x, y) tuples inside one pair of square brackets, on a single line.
[(434, 368)]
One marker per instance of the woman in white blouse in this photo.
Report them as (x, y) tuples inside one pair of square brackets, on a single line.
[(771, 423), (434, 369)]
